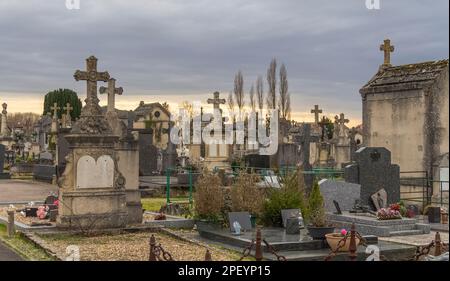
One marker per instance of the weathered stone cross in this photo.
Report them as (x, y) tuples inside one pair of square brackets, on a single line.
[(92, 77), (316, 112), (387, 48), (68, 108), (341, 119), (111, 91), (55, 109), (217, 101)]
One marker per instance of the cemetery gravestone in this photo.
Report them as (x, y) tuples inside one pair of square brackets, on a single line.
[(243, 218), (2, 163), (343, 193), (289, 213), (373, 170)]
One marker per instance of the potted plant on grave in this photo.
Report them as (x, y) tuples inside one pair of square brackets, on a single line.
[(334, 240), (318, 225)]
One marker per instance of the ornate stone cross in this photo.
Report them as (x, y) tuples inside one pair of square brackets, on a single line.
[(316, 112), (55, 109), (216, 101), (111, 91), (92, 77), (68, 108), (341, 119), (387, 48)]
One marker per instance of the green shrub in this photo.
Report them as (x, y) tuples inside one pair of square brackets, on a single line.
[(316, 211), (289, 196)]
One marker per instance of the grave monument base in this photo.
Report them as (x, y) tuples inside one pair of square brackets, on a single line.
[(367, 224)]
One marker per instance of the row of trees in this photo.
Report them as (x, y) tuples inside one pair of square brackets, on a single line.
[(280, 100)]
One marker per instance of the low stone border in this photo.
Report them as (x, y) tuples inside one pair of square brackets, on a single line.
[(41, 244), (23, 227)]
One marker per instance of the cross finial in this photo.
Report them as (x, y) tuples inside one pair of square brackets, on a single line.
[(216, 101), (316, 112), (68, 118), (55, 109), (92, 77), (387, 48), (341, 119), (112, 91)]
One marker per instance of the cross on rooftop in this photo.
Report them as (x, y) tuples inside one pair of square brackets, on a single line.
[(387, 48)]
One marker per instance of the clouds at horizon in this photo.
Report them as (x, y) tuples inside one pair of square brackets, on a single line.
[(186, 49)]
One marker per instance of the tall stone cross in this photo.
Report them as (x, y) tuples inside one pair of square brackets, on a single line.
[(387, 48), (341, 119), (92, 77), (216, 101), (68, 121), (111, 91), (55, 109), (316, 112)]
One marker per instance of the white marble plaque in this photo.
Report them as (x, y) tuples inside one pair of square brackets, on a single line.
[(95, 174)]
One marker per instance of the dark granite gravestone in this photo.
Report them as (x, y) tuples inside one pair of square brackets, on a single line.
[(344, 193), (243, 218), (2, 163), (304, 140), (257, 161), (170, 156), (147, 153), (373, 170)]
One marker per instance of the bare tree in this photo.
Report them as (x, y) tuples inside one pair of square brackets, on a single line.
[(252, 98), (239, 94), (284, 104), (272, 82), (230, 101), (260, 93)]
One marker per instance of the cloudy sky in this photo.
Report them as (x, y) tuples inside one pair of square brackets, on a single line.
[(176, 50)]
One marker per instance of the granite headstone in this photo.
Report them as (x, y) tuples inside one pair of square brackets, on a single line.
[(243, 218), (344, 193), (373, 170)]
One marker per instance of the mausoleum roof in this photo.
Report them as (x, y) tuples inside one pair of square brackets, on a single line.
[(405, 77)]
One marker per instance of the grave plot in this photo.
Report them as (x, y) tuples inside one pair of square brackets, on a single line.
[(131, 247)]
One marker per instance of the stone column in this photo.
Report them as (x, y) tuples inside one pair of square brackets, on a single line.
[(4, 125)]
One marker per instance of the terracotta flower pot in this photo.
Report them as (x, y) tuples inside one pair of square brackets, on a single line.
[(333, 241)]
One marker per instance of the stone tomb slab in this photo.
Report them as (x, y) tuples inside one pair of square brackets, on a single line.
[(243, 218), (275, 236), (344, 193), (95, 174)]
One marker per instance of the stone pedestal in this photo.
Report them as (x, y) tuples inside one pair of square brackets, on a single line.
[(92, 190), (128, 154)]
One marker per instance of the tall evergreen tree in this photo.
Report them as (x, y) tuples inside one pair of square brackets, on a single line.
[(62, 97)]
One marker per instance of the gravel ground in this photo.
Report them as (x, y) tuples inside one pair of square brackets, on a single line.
[(20, 218), (132, 247)]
